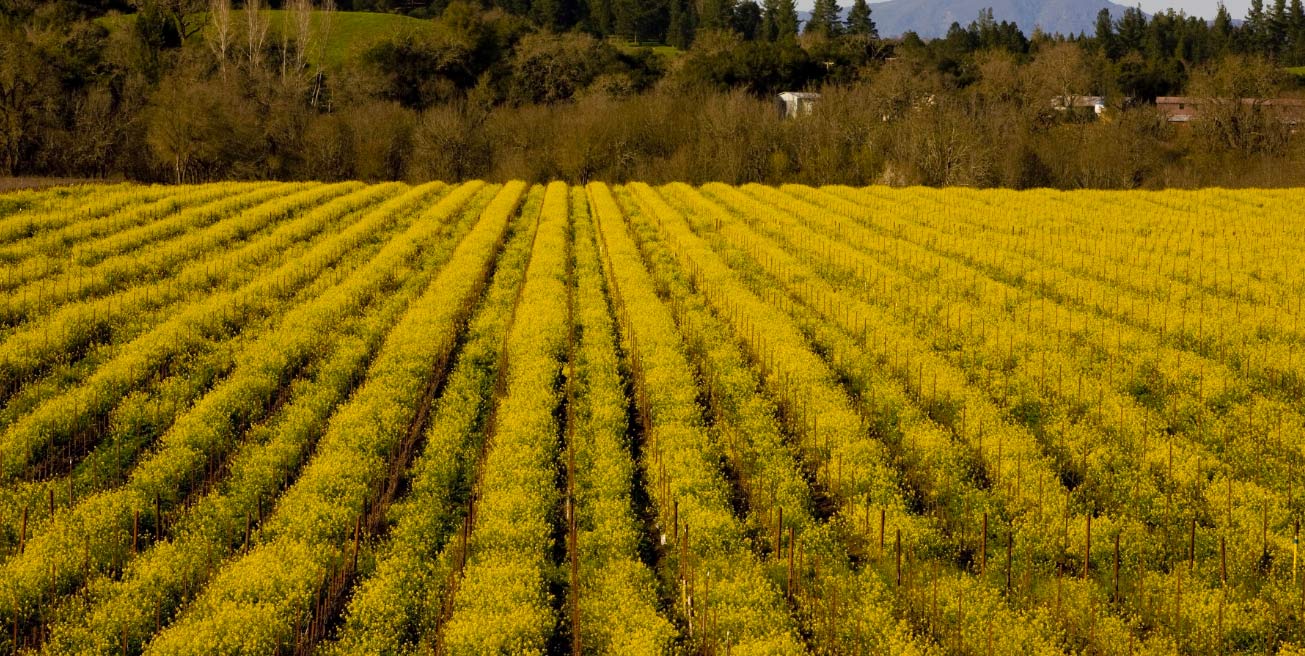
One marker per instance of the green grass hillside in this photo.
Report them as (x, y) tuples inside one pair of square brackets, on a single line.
[(669, 52), (352, 33), (348, 33)]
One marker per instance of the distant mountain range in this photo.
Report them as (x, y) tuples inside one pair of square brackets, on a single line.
[(932, 18)]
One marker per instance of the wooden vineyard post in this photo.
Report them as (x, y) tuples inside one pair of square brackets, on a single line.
[(960, 620), (1010, 557), (1178, 604), (779, 532), (868, 535), (1087, 548), (575, 586), (1116, 569), (684, 555), (22, 533), (792, 546), (1191, 547), (1060, 575), (1264, 528), (675, 519), (983, 548), (1169, 500), (1223, 562), (1228, 475), (933, 599), (898, 549), (357, 541), (881, 532), (135, 531)]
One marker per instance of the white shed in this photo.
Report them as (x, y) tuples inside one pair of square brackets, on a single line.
[(1065, 103), (792, 104)]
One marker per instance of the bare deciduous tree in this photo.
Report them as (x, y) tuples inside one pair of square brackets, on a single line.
[(222, 35), (1060, 75), (25, 97), (187, 16), (1234, 112), (296, 38), (300, 15), (943, 146), (256, 33), (325, 23)]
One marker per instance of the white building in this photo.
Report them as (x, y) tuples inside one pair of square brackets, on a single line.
[(1064, 103), (792, 104)]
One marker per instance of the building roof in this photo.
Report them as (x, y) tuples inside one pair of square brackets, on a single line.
[(1193, 100), (1081, 101), (1186, 109), (1096, 103)]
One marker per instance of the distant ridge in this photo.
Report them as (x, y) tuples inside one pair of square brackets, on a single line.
[(932, 18)]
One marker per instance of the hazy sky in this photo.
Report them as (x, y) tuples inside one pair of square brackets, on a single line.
[(1205, 8)]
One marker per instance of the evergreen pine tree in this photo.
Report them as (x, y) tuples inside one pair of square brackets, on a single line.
[(641, 20), (1106, 34), (1223, 30), (826, 19), (769, 30), (859, 21), (683, 24), (517, 7), (551, 14), (1254, 28), (600, 17), (1255, 15), (780, 21), (716, 15), (1132, 31), (1277, 27), (748, 20), (787, 20), (1296, 33)]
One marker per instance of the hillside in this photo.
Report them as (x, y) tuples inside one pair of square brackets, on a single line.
[(350, 32), (931, 18)]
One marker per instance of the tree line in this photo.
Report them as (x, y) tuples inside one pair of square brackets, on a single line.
[(191, 90), (671, 22)]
